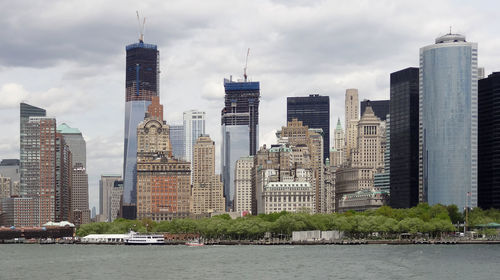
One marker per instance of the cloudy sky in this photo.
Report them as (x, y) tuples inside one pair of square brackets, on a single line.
[(69, 57)]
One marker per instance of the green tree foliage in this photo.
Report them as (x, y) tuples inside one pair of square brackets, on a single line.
[(384, 222)]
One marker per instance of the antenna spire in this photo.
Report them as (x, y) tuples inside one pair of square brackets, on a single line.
[(450, 29), (141, 27), (245, 68)]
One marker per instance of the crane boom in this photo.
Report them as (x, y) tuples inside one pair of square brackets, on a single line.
[(141, 27), (246, 63)]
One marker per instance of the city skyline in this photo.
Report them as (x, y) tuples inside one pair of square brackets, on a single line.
[(92, 73)]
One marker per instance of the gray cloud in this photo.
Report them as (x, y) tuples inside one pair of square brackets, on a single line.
[(69, 56)]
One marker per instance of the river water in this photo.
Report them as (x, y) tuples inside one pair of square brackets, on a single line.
[(33, 261)]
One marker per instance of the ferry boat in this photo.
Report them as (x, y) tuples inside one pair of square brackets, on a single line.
[(145, 239)]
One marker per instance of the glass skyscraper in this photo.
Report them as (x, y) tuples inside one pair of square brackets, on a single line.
[(489, 142), (141, 84), (177, 141), (194, 126), (448, 112), (404, 138), (240, 129), (313, 111)]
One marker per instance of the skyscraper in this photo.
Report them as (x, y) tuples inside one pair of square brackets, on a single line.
[(240, 128), (351, 121), (177, 141), (106, 185), (314, 112), (79, 177), (337, 153), (381, 108), (489, 142), (448, 122), (141, 84), (26, 111), (207, 191), (404, 138), (194, 126)]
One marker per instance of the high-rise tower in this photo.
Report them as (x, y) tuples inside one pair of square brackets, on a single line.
[(240, 128), (448, 111), (141, 84), (351, 121), (404, 138), (314, 112), (489, 142), (194, 127)]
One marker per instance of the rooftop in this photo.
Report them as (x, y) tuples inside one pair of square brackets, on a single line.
[(66, 129), (450, 38)]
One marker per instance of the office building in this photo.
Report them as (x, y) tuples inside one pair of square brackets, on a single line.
[(240, 129), (313, 111), (141, 84), (194, 127), (448, 122), (404, 138), (243, 184), (489, 142), (351, 121), (382, 180), (79, 177), (177, 141), (381, 108), (26, 111), (9, 168), (207, 191), (337, 153), (163, 182), (106, 186)]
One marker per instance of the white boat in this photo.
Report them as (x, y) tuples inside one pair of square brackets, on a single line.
[(196, 242), (144, 239)]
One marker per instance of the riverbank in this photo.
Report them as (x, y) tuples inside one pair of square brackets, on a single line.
[(279, 242)]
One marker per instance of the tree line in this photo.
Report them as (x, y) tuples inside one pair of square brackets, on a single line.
[(385, 221)]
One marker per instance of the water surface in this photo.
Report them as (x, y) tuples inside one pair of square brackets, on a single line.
[(33, 261)]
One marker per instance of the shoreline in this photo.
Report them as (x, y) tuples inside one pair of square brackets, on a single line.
[(298, 243)]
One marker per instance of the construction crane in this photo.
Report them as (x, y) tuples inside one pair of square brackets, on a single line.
[(141, 27), (246, 63)]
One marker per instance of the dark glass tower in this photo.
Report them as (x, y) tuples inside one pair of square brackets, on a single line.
[(404, 138), (380, 107), (240, 129), (141, 84), (489, 142), (313, 111)]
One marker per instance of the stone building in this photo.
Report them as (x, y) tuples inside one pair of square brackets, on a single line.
[(208, 190), (243, 184)]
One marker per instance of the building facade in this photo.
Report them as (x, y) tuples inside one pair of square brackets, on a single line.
[(163, 182), (448, 122), (314, 112), (351, 121), (141, 84), (337, 153), (177, 140), (207, 191), (404, 138), (243, 184), (73, 138), (194, 127), (288, 196), (489, 142), (106, 186), (240, 129)]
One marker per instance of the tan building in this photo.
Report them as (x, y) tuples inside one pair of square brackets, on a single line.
[(337, 155), (288, 196), (5, 188), (366, 160), (278, 165), (163, 183), (351, 120), (243, 184), (299, 135), (329, 178), (106, 185), (207, 191)]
